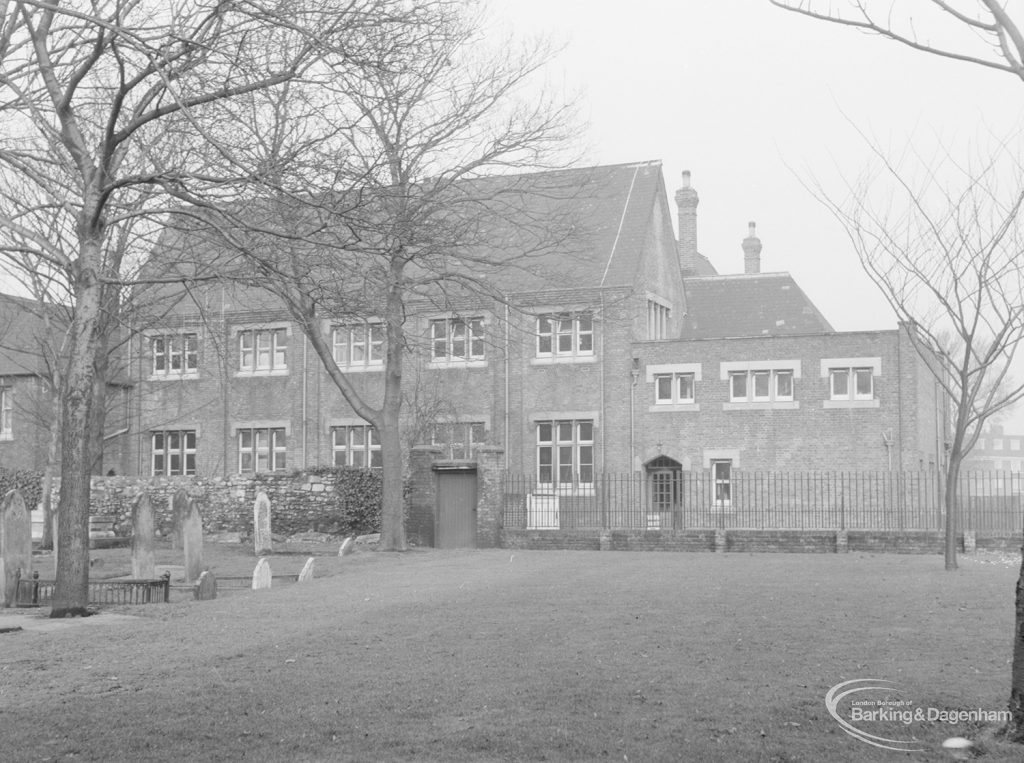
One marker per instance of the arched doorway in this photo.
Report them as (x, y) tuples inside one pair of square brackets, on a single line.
[(664, 488)]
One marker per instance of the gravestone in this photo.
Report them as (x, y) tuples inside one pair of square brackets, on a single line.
[(143, 556), (206, 588), (15, 544), (262, 541), (307, 571), (261, 576), (346, 547), (179, 510), (192, 541)]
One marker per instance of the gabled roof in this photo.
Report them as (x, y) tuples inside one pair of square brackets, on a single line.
[(762, 304), (22, 334), (574, 228)]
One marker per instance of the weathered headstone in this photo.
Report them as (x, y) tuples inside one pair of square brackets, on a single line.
[(15, 544), (261, 576), (206, 587), (143, 555), (179, 510), (307, 571), (346, 547), (262, 541), (192, 541)]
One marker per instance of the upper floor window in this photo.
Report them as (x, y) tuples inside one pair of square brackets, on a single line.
[(262, 450), (674, 388), (565, 452), (457, 339), (174, 354), (761, 386), (565, 335), (6, 413), (356, 446), (657, 320), (851, 383), (459, 439), (173, 453), (263, 350), (359, 345)]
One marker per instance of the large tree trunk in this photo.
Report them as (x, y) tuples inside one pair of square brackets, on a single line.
[(71, 591), (1015, 728)]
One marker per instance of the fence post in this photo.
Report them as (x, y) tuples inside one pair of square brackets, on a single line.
[(167, 585)]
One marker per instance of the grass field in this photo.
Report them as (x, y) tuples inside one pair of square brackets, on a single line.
[(495, 655)]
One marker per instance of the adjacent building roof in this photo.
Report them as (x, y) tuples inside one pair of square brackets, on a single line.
[(762, 304)]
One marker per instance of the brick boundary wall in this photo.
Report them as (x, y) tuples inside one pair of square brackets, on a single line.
[(747, 541)]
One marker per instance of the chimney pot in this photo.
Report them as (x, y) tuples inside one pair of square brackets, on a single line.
[(752, 251)]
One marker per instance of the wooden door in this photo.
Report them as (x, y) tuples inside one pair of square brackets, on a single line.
[(456, 508)]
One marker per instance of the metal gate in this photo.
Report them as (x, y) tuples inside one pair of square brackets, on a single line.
[(456, 508)]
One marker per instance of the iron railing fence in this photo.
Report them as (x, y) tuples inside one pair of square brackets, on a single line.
[(836, 500), (33, 592)]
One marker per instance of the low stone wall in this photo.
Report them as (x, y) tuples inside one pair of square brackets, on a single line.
[(338, 501), (746, 541)]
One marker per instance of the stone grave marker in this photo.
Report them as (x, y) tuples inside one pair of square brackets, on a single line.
[(15, 544), (262, 541), (143, 556), (206, 588), (179, 510), (261, 576), (192, 541), (346, 546), (307, 571)]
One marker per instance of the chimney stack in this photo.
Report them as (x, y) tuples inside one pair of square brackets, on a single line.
[(751, 251), (686, 202)]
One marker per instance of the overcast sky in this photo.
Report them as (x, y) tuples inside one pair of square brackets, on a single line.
[(750, 99)]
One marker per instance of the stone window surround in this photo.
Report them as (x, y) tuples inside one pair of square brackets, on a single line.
[(726, 368), (872, 362), (238, 328), (660, 369)]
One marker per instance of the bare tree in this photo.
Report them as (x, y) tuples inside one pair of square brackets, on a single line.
[(965, 270), (110, 110), (985, 33), (397, 209)]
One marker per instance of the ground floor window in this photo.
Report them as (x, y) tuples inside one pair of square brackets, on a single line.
[(356, 446), (262, 450), (721, 475), (174, 453), (565, 452)]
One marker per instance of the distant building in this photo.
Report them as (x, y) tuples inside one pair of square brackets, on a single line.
[(996, 451), (629, 353)]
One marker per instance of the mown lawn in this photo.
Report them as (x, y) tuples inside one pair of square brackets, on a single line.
[(507, 656)]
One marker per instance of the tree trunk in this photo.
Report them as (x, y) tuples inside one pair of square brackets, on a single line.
[(71, 590), (952, 510), (392, 518), (1015, 727), (51, 466)]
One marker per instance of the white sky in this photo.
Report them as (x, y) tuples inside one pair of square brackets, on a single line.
[(751, 98)]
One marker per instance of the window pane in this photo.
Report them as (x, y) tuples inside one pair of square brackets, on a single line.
[(190, 463), (565, 431), (863, 382), (262, 349), (685, 387), (784, 384), (245, 438), (280, 348), (586, 342), (544, 344), (586, 431), (376, 342), (840, 382), (585, 323), (158, 440), (358, 437), (739, 386), (376, 459), (761, 382), (341, 346), (664, 388), (358, 458), (544, 431)]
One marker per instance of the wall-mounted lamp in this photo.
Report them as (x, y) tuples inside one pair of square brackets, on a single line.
[(635, 371)]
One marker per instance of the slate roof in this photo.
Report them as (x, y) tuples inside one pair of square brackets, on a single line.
[(573, 228), (762, 304)]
